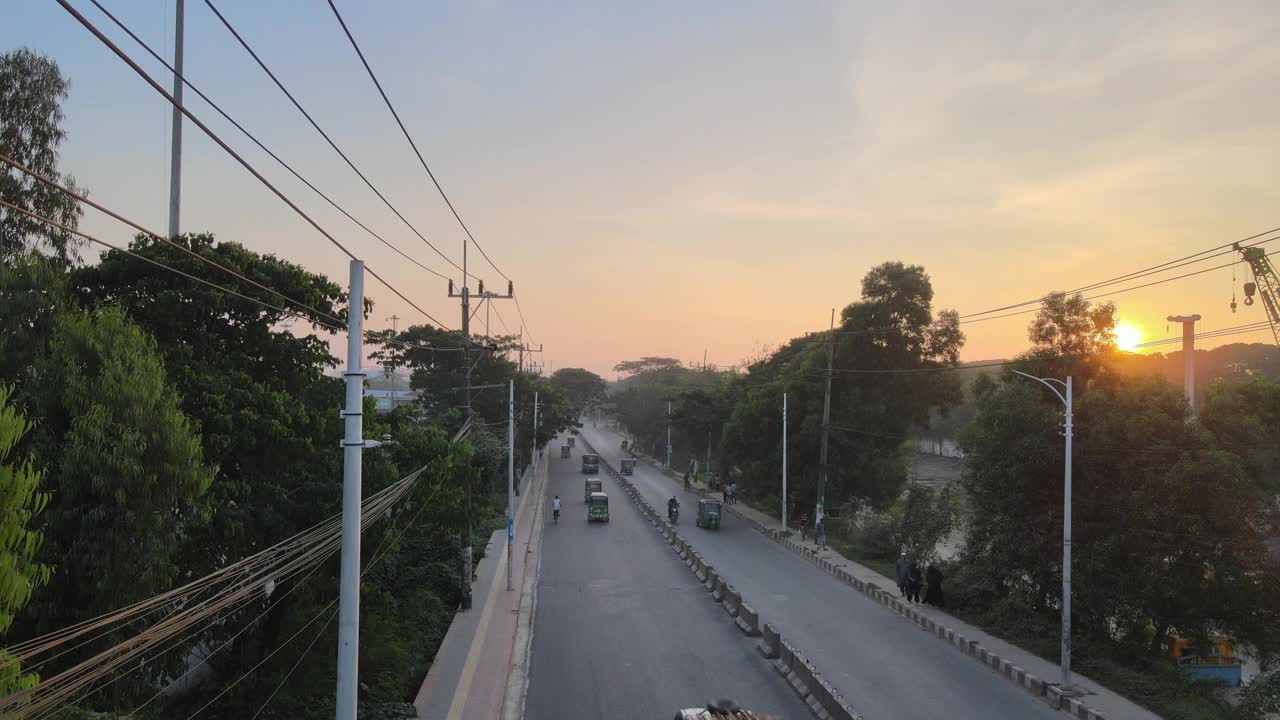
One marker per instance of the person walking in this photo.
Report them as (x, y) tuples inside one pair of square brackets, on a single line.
[(804, 526), (914, 580), (820, 533), (904, 572), (933, 586)]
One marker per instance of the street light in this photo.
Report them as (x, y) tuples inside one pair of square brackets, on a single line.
[(1066, 525)]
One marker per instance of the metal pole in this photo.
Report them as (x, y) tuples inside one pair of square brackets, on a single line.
[(511, 475), (668, 433), (826, 424), (352, 447), (466, 477), (784, 462), (1066, 552), (175, 140), (533, 450)]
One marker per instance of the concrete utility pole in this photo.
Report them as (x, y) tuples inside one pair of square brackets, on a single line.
[(668, 433), (826, 424), (1188, 355), (352, 451), (511, 476), (465, 296), (175, 139), (1066, 521), (784, 462), (533, 449), (391, 370)]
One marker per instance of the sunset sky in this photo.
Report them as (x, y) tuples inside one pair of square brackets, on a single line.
[(667, 178)]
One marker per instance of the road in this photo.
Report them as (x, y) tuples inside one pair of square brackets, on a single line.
[(624, 630), (883, 665)]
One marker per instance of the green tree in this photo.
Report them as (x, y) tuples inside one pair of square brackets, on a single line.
[(33, 293), (1070, 336), (126, 473), (20, 505), (582, 387), (32, 89)]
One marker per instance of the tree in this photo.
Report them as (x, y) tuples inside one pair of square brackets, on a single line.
[(33, 293), (20, 505), (1069, 336), (648, 365), (583, 388), (126, 473), (32, 89)]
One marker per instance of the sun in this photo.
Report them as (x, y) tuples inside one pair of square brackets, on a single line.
[(1128, 336)]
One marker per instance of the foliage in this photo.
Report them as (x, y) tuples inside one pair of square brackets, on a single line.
[(1069, 336), (1261, 697), (126, 473), (33, 292), (648, 365), (583, 388), (920, 519), (20, 505), (32, 89)]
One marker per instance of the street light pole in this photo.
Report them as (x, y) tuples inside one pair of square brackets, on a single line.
[(784, 462), (1066, 523)]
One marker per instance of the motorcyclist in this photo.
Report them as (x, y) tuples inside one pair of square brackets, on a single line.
[(672, 505), (555, 508)]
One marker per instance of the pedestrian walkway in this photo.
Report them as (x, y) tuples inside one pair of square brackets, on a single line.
[(1110, 704)]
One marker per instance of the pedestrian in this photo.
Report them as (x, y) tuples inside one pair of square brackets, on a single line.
[(820, 533), (933, 586), (687, 486), (733, 491), (804, 526), (914, 581), (904, 571)]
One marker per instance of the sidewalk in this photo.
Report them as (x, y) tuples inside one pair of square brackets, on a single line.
[(1106, 702), (470, 675)]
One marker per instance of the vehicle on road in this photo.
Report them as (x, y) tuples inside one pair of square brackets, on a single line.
[(564, 451), (592, 485), (708, 514), (1217, 662), (590, 464), (673, 511), (628, 466), (624, 446), (598, 507), (571, 441)]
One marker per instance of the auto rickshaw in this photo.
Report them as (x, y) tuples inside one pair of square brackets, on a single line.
[(1220, 663), (591, 486), (708, 514), (598, 507), (628, 466), (624, 446), (570, 441), (564, 451)]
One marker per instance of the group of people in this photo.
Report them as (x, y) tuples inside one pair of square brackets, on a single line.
[(730, 493), (819, 531), (910, 579)]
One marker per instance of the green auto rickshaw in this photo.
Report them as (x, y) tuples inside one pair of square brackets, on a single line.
[(598, 507), (564, 451), (708, 514), (590, 487), (628, 466)]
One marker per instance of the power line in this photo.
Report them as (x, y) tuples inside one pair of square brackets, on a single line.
[(323, 134), (260, 145), (407, 136), (523, 323), (1133, 275), (244, 163)]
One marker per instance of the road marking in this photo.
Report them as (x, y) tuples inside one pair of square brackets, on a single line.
[(473, 653)]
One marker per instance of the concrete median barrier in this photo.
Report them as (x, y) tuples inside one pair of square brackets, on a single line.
[(770, 644), (732, 601), (748, 619), (712, 578), (717, 592)]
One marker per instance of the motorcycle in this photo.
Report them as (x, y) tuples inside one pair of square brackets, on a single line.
[(673, 514)]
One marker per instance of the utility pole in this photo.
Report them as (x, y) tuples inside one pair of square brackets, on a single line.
[(668, 433), (465, 296), (784, 462), (175, 139), (1188, 355), (533, 449), (826, 424), (511, 476), (1066, 521), (352, 451), (391, 370)]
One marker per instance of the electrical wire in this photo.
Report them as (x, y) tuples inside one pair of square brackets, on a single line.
[(407, 136), (1133, 275), (244, 44), (257, 142), (93, 29), (523, 323)]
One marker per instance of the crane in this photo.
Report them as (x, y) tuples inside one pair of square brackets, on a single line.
[(1266, 284)]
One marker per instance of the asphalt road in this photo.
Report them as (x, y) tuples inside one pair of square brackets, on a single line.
[(884, 665), (624, 630)]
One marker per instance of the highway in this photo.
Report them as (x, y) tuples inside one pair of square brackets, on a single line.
[(623, 629), (883, 665)]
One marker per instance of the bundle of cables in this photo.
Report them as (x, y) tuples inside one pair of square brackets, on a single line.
[(175, 618)]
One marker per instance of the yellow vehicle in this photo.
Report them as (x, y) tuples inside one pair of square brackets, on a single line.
[(1219, 662)]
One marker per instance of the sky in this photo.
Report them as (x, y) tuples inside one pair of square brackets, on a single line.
[(674, 178)]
